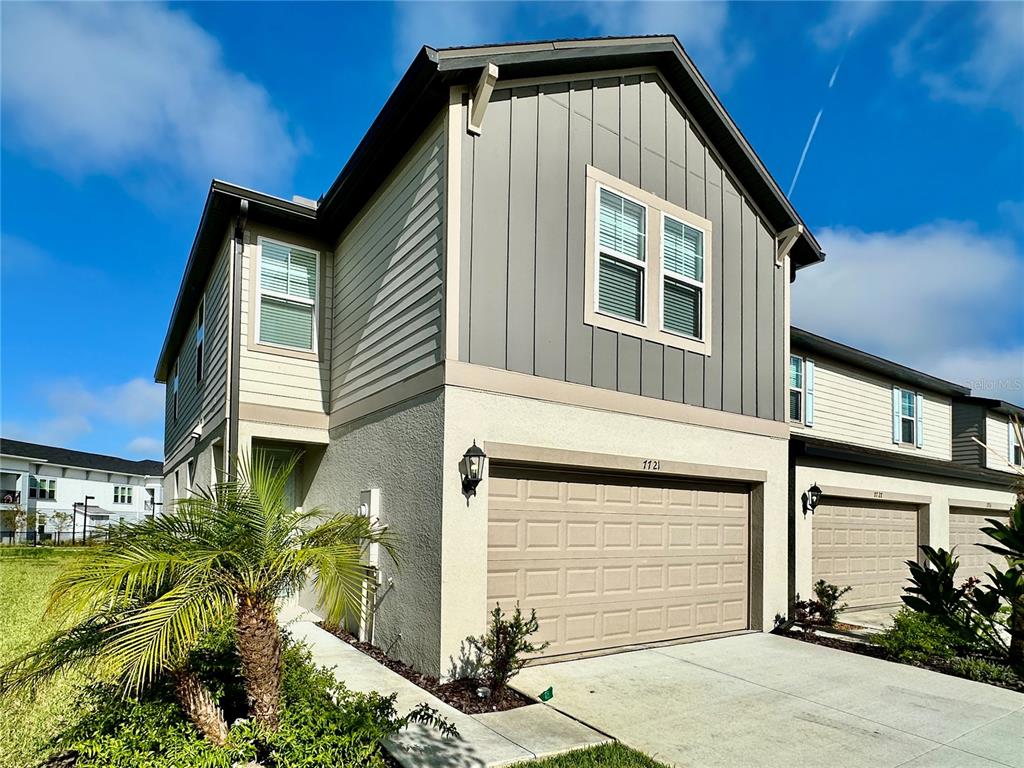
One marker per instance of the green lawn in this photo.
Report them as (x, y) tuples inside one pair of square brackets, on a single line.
[(604, 756), (28, 725)]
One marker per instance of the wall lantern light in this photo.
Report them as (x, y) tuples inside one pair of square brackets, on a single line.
[(811, 498), (472, 469)]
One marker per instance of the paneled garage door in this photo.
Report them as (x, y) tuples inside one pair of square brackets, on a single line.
[(965, 534), (611, 562), (864, 545)]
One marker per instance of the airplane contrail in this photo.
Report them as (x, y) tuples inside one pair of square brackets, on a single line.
[(803, 155)]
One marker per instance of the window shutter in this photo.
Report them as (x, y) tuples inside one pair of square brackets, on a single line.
[(896, 415), (919, 416), (1011, 441), (286, 323), (809, 393)]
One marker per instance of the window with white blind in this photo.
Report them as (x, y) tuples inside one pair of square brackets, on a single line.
[(907, 417), (648, 265), (796, 388), (288, 283)]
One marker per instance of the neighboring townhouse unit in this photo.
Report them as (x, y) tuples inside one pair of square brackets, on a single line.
[(984, 434), (887, 446), (565, 253), (72, 490)]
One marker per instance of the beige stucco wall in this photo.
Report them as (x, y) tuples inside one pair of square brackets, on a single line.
[(397, 450), (487, 417), (933, 519)]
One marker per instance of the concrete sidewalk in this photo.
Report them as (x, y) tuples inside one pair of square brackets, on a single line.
[(486, 740), (765, 700)]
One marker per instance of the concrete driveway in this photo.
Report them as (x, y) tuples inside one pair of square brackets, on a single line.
[(764, 700)]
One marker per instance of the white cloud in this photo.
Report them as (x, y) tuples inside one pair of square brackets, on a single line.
[(977, 64), (75, 411), (148, 447), (940, 298), (702, 27), (139, 92), (844, 20)]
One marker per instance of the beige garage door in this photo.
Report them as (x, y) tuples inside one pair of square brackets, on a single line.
[(965, 534), (864, 545), (612, 562)]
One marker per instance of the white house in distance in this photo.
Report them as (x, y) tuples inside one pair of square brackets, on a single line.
[(92, 490)]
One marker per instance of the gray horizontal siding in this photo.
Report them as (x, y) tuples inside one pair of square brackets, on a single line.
[(969, 425), (388, 298), (523, 244), (203, 402)]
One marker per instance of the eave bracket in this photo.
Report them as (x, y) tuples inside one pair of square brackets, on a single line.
[(479, 98), (785, 242)]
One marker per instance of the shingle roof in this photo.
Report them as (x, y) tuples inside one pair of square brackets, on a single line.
[(69, 458)]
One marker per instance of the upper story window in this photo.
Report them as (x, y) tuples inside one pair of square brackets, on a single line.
[(288, 287), (42, 488), (122, 494), (1013, 447), (801, 390), (647, 265), (907, 417), (174, 392), (200, 339)]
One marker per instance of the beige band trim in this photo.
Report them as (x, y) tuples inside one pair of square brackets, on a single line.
[(432, 378), (472, 376), (528, 454), (293, 417), (453, 222), (863, 493), (992, 506)]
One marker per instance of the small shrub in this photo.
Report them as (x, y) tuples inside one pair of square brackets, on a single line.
[(918, 637), (503, 650), (825, 608), (984, 671)]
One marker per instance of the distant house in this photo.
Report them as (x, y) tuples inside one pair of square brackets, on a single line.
[(53, 484)]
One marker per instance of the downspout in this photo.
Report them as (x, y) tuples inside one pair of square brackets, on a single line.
[(235, 336)]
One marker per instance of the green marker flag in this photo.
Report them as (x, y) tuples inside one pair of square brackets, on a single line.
[(547, 695)]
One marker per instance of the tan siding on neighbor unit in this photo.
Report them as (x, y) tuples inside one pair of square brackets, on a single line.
[(203, 402), (388, 272), (281, 378), (523, 243), (855, 407), (996, 438)]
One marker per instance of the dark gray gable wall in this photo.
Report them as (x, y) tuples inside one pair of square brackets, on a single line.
[(969, 423), (523, 243)]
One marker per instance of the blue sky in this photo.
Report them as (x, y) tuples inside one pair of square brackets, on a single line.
[(114, 119)]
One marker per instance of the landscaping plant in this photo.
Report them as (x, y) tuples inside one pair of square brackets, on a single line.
[(825, 608), (139, 606), (503, 650)]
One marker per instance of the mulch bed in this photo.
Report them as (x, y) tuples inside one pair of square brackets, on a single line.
[(877, 652), (460, 694)]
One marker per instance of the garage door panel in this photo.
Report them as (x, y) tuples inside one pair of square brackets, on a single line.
[(864, 545), (966, 537), (608, 562)]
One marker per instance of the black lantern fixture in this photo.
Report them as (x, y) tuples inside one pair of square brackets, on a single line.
[(472, 469), (811, 498)]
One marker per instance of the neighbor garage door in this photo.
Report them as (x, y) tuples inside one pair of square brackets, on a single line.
[(864, 545), (611, 562), (965, 534)]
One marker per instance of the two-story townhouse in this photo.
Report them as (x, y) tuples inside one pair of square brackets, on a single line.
[(73, 492), (565, 254), (886, 446), (984, 434)]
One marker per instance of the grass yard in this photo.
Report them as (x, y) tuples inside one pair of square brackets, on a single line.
[(28, 725), (603, 756)]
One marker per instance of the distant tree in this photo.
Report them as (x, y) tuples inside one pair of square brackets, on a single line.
[(60, 520)]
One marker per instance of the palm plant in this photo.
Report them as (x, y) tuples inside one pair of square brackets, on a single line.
[(141, 603)]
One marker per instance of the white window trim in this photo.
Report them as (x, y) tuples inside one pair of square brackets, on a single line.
[(123, 492), (653, 328), (260, 293), (681, 278), (644, 266), (802, 389)]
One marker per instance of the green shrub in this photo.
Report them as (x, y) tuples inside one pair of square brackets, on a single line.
[(503, 650), (825, 608), (322, 723), (918, 637), (984, 671)]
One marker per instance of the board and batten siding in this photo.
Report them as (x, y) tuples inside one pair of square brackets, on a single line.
[(523, 235), (389, 266), (855, 407), (267, 376), (969, 426), (204, 402)]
